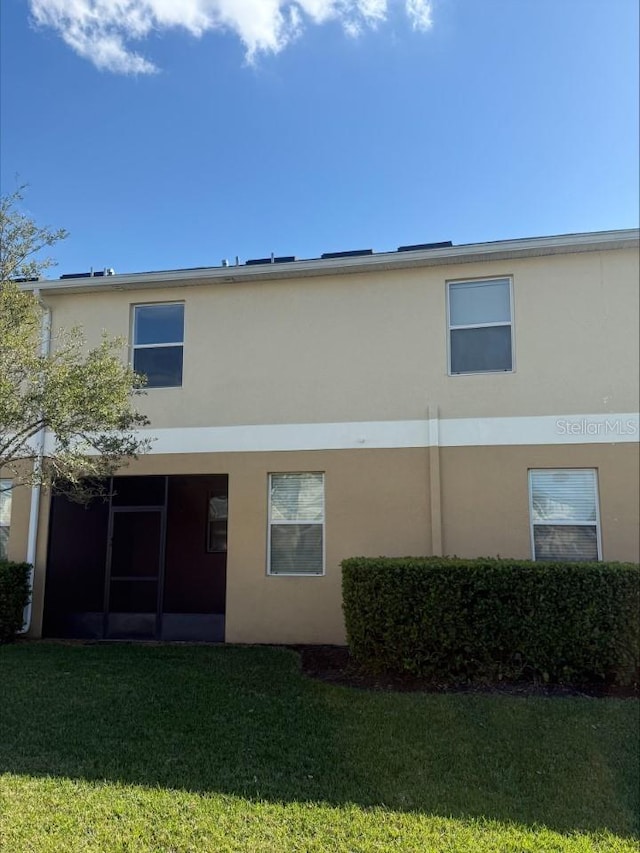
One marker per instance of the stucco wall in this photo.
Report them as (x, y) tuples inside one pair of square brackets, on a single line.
[(378, 502), (373, 346), (485, 499)]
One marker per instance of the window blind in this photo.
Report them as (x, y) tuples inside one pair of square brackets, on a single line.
[(296, 524), (564, 497), (564, 514), (5, 516)]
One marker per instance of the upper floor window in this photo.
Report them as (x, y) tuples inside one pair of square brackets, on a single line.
[(5, 516), (158, 340), (296, 524), (480, 326), (565, 523)]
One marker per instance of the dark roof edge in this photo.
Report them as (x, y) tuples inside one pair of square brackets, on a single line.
[(467, 253)]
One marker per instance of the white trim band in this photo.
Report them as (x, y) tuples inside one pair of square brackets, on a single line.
[(612, 428)]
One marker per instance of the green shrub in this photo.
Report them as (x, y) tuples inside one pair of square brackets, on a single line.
[(14, 595), (454, 620)]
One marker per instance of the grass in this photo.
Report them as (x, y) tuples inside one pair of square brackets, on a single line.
[(176, 749)]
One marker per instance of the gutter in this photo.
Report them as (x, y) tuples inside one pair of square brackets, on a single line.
[(34, 511)]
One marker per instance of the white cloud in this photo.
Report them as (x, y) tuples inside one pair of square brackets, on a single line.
[(103, 30), (419, 12)]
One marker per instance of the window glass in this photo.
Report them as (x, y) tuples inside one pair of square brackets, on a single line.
[(5, 516), (296, 549), (566, 543), (5, 503), (480, 334), (218, 506), (4, 542), (481, 350), (297, 497), (564, 514), (475, 302), (159, 324), (296, 524), (161, 365), (563, 496), (158, 336)]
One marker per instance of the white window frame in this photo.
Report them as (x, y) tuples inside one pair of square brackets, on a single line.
[(556, 523), (511, 323), (5, 486), (135, 346), (271, 523)]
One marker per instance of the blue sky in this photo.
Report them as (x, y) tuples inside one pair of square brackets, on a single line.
[(367, 124)]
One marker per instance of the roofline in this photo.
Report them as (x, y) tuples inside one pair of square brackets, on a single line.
[(528, 247)]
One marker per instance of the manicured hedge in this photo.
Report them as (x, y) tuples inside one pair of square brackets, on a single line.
[(14, 595), (454, 620)]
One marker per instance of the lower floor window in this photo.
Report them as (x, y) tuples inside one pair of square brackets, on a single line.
[(5, 516), (296, 524), (217, 512), (565, 523)]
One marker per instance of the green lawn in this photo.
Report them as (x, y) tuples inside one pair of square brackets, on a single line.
[(175, 748)]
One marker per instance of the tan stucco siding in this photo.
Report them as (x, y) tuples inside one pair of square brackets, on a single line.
[(359, 362), (373, 346), (485, 499), (378, 503)]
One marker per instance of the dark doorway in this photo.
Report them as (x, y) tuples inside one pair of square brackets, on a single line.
[(134, 573), (148, 563)]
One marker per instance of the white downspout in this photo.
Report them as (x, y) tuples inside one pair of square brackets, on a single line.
[(34, 512)]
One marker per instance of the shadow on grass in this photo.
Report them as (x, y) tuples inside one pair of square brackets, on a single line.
[(244, 721)]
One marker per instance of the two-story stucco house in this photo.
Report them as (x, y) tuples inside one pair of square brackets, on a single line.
[(472, 400)]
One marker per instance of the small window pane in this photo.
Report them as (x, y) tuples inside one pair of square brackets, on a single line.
[(296, 549), (5, 503), (217, 524), (5, 516), (216, 537), (563, 496), (218, 508), (476, 302), (297, 497), (565, 542), (161, 365), (481, 350), (4, 542), (159, 324)]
